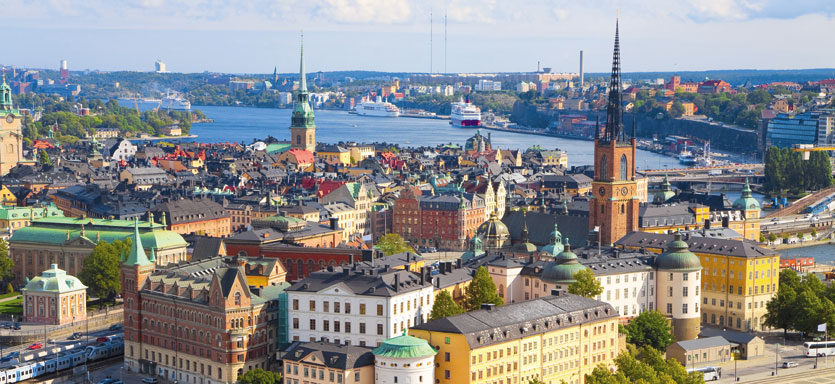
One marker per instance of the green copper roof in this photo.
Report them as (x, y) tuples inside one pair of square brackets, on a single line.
[(746, 201), (29, 213), (54, 280), (302, 113), (137, 254), (563, 268), (273, 148), (666, 192), (404, 347), (678, 257), (58, 230)]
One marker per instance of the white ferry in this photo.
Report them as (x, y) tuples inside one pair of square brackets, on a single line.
[(465, 114), (377, 108)]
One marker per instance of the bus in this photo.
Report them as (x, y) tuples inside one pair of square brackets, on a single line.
[(711, 373), (819, 348)]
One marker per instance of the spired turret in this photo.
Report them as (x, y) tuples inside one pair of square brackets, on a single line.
[(666, 192), (679, 279), (555, 247)]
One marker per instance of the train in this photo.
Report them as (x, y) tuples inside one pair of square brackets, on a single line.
[(61, 361), (826, 203)]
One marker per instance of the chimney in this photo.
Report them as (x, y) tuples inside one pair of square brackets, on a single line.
[(396, 282), (707, 223), (458, 263), (367, 254), (581, 69), (334, 223), (488, 307), (726, 221)]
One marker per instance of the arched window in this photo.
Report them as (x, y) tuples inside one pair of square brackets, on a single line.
[(300, 270), (604, 170), (623, 167), (298, 139), (623, 208), (237, 298)]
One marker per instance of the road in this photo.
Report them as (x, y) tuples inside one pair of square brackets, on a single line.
[(791, 223), (59, 345)]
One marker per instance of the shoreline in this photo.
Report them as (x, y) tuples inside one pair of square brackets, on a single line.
[(805, 244)]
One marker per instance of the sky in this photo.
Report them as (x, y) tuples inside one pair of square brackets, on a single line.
[(253, 36)]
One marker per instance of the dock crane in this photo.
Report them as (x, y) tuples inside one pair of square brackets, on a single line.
[(805, 149)]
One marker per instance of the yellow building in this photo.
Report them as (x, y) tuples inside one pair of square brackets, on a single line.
[(7, 197), (738, 277), (334, 154), (556, 339)]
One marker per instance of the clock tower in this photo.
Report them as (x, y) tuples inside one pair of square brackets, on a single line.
[(302, 126), (613, 208)]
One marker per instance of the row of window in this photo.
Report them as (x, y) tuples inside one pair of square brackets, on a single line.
[(311, 372), (755, 290)]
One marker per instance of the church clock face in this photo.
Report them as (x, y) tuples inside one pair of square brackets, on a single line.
[(601, 191), (10, 119), (624, 191)]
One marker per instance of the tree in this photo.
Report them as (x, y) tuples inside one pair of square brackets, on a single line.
[(9, 288), (100, 270), (392, 243), (259, 376), (481, 290), (43, 158), (651, 329), (535, 380), (585, 284), (677, 110), (645, 365), (6, 263), (444, 306)]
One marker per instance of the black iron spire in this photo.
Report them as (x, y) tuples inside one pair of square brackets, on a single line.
[(614, 114)]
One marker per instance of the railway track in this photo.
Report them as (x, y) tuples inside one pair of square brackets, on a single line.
[(794, 377), (69, 372)]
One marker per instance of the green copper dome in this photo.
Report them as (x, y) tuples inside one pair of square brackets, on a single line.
[(556, 246), (678, 257), (746, 202), (563, 268), (476, 250), (404, 347), (524, 246), (666, 192)]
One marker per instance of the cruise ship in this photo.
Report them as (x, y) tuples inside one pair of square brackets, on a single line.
[(465, 114), (175, 102), (377, 108)]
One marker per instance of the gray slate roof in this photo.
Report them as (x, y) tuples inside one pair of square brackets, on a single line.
[(337, 356), (710, 342)]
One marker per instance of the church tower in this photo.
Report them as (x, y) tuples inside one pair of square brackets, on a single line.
[(135, 269), (11, 137), (302, 127), (613, 209)]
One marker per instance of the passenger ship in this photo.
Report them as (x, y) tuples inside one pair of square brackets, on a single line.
[(465, 114), (377, 108)]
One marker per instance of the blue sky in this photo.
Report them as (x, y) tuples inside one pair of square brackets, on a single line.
[(393, 35)]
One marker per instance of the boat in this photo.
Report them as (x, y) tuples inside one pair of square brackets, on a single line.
[(378, 108), (175, 102), (686, 157), (465, 114)]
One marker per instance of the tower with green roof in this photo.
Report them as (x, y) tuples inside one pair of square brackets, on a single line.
[(679, 272), (136, 267), (404, 359), (11, 137), (302, 125), (666, 192)]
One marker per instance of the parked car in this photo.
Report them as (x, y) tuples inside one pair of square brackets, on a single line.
[(36, 346), (102, 339), (150, 380), (14, 354), (7, 325), (116, 327), (789, 364), (16, 326), (75, 336), (111, 381)]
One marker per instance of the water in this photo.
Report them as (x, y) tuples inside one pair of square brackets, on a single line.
[(247, 124), (824, 253)]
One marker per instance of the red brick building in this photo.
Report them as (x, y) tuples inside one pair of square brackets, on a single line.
[(441, 221), (714, 86)]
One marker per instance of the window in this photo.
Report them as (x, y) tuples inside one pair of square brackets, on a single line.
[(362, 309), (446, 356), (312, 324), (362, 328), (684, 291), (237, 298), (684, 276), (684, 308), (295, 304), (312, 305), (604, 169), (380, 310), (295, 323), (623, 167), (379, 329), (669, 308)]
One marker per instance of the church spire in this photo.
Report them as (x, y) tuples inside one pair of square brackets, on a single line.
[(614, 114), (303, 77)]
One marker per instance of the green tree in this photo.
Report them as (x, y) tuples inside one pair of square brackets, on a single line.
[(43, 158), (677, 110), (259, 376), (650, 328), (392, 243), (444, 306), (100, 270), (9, 288), (585, 284), (535, 380), (646, 366), (481, 290), (772, 237), (6, 263)]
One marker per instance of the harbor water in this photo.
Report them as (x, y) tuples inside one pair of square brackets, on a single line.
[(243, 125)]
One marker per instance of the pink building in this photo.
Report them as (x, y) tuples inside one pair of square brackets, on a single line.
[(54, 297)]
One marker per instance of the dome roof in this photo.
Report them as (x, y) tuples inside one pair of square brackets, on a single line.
[(678, 257), (555, 247), (54, 280), (563, 268), (493, 227), (746, 202), (475, 251), (525, 247), (404, 347)]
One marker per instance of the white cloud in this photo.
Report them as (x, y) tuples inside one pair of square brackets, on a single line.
[(366, 11)]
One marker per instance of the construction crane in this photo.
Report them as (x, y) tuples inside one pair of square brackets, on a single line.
[(805, 149), (136, 105)]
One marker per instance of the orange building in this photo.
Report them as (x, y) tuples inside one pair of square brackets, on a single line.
[(200, 216)]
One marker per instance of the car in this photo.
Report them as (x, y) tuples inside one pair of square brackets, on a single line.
[(75, 336), (7, 325), (36, 346), (150, 380), (50, 341), (14, 354), (789, 364), (16, 326), (774, 219), (111, 381), (102, 339), (116, 327)]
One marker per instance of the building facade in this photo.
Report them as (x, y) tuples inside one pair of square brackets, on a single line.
[(54, 298), (302, 125), (442, 221), (11, 136)]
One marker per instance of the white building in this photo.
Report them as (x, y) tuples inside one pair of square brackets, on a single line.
[(119, 149), (358, 305), (488, 85), (159, 67), (448, 91), (404, 360)]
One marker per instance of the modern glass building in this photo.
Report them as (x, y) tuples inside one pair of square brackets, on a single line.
[(786, 130)]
